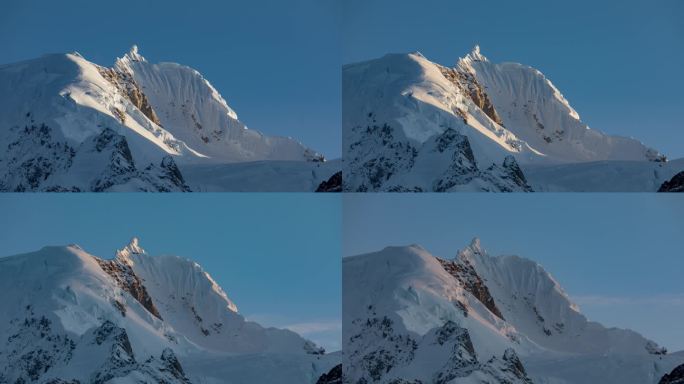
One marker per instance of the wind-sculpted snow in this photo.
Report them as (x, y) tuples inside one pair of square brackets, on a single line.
[(55, 107), (74, 317), (396, 105), (411, 316)]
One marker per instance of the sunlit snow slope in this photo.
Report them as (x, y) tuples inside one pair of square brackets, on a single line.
[(69, 315), (411, 315)]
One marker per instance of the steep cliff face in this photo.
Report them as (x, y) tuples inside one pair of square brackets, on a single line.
[(675, 184), (674, 377)]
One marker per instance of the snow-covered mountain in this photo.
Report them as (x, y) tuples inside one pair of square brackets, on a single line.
[(410, 124), (68, 124), (71, 317), (411, 317)]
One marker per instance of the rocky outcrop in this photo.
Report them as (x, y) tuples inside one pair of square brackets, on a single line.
[(379, 350), (464, 272), (126, 279), (675, 184), (386, 161), (38, 160), (35, 347), (33, 157), (334, 376), (470, 87), (124, 83), (674, 377), (382, 153), (38, 348), (333, 184)]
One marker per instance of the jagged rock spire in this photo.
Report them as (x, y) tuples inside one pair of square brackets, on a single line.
[(475, 54), (467, 253), (134, 55), (133, 248)]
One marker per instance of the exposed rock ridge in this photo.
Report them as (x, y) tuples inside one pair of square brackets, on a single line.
[(121, 270), (470, 87), (333, 184), (674, 377), (385, 160), (675, 184), (464, 272), (124, 82), (379, 350)]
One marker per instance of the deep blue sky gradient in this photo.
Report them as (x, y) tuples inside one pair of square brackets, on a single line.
[(618, 63), (277, 256), (620, 256), (277, 63)]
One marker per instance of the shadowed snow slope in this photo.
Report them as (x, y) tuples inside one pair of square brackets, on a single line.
[(499, 110), (62, 304), (407, 312), (53, 106)]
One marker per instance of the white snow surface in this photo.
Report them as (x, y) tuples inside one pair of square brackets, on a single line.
[(67, 286), (555, 342)]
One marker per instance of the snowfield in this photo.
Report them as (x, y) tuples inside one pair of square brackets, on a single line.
[(73, 317), (411, 316), (71, 125), (500, 114)]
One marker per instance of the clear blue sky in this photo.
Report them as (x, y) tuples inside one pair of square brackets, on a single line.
[(619, 256), (277, 256), (618, 63), (277, 63)]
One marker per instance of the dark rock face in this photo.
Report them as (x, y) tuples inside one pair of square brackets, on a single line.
[(166, 177), (39, 161), (384, 160), (171, 365), (127, 280), (124, 82), (514, 173), (35, 347), (380, 348), (33, 157), (120, 166), (377, 349), (675, 184), (466, 274), (334, 376), (513, 364), (380, 156), (674, 377), (470, 87), (333, 184), (39, 348)]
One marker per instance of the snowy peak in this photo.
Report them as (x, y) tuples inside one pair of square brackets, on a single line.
[(134, 55), (474, 55), (133, 248), (475, 248)]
